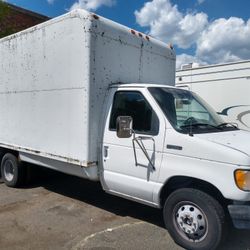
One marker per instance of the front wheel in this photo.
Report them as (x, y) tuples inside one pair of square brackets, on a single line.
[(194, 219)]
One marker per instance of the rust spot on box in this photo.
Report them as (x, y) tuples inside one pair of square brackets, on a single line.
[(95, 16), (133, 32)]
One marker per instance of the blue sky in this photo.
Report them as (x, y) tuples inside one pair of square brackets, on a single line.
[(202, 31)]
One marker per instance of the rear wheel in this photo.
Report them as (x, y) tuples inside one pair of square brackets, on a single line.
[(194, 219), (1, 157), (12, 170)]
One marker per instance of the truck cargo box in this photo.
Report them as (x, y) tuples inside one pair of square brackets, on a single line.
[(53, 79)]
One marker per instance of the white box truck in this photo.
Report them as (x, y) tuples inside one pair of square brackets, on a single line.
[(224, 86), (86, 96)]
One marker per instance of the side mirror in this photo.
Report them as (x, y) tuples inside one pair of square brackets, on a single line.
[(124, 126)]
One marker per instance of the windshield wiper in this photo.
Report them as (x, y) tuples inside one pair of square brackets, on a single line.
[(225, 124), (200, 125)]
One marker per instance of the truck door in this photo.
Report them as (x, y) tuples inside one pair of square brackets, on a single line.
[(126, 169)]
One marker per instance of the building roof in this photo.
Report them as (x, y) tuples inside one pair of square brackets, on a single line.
[(14, 19), (27, 12)]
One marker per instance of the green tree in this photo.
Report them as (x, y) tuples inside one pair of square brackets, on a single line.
[(6, 28)]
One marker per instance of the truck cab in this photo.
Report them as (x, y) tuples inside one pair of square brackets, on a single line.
[(167, 148)]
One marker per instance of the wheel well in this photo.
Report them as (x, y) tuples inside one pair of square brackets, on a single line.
[(189, 182)]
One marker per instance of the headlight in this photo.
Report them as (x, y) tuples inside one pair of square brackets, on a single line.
[(242, 179)]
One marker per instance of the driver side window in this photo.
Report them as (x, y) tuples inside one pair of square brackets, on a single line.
[(133, 103)]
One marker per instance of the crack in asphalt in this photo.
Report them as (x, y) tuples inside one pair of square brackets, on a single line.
[(83, 242)]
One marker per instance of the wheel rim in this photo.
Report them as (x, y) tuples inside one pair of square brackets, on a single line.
[(190, 221), (8, 170)]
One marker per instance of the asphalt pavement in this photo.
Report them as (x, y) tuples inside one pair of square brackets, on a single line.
[(58, 211)]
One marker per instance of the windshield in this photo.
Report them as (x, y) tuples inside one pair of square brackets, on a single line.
[(187, 112)]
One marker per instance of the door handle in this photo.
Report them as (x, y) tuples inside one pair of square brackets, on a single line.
[(105, 152)]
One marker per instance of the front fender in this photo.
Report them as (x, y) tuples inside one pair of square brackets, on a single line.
[(220, 175)]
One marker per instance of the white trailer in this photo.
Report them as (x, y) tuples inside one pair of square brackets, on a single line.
[(226, 87), (89, 97)]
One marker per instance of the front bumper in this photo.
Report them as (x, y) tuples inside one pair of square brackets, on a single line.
[(240, 214)]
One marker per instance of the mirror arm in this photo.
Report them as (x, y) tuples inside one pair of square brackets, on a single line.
[(139, 141)]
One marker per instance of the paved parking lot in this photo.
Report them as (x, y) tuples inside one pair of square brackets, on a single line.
[(58, 211)]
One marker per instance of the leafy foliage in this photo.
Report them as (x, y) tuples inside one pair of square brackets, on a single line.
[(6, 28)]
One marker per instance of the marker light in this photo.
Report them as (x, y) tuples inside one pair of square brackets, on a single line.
[(242, 179)]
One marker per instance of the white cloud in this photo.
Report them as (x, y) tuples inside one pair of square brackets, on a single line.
[(222, 40), (200, 1), (225, 40), (50, 1), (167, 23), (186, 59), (92, 4)]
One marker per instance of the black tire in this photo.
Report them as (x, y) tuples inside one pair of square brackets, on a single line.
[(194, 219), (1, 157), (13, 173)]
